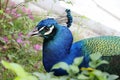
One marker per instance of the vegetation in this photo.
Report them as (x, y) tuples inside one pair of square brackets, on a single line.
[(90, 73), (16, 20)]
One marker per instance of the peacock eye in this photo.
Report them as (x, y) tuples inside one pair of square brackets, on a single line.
[(47, 29)]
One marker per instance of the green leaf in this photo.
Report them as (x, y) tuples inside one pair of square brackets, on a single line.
[(21, 73), (112, 77), (15, 68), (26, 78), (4, 26), (95, 57), (74, 69), (95, 64), (97, 72), (11, 23), (82, 77), (62, 65), (78, 61), (44, 76), (1, 11), (92, 64), (102, 62)]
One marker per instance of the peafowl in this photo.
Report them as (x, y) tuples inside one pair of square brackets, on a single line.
[(58, 46)]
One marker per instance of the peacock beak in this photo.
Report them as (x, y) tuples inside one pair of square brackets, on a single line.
[(33, 32)]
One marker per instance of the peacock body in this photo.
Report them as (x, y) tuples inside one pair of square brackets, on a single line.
[(106, 45), (58, 46)]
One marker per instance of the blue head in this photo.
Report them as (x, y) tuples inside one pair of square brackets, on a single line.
[(45, 28), (46, 23)]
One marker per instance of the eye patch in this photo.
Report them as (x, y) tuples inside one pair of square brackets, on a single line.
[(41, 28), (46, 30), (49, 30)]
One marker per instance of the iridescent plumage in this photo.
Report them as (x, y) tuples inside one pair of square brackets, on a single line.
[(106, 45), (58, 46)]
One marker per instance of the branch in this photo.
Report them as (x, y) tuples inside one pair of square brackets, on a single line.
[(6, 5), (0, 5)]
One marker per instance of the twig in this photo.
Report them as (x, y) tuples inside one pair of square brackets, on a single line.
[(6, 5), (0, 4), (5, 10), (0, 8)]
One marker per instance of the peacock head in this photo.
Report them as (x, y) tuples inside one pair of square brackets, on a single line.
[(45, 28)]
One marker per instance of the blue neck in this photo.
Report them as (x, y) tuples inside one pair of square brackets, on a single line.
[(57, 48)]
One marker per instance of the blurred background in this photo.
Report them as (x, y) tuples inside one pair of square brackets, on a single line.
[(101, 17)]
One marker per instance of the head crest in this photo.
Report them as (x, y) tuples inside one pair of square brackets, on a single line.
[(68, 19)]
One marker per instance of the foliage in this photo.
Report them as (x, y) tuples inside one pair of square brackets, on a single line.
[(16, 20), (90, 73), (21, 73), (71, 69), (74, 73)]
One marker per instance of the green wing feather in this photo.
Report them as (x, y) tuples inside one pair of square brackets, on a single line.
[(106, 45)]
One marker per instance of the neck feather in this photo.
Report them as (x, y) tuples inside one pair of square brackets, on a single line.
[(57, 48)]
